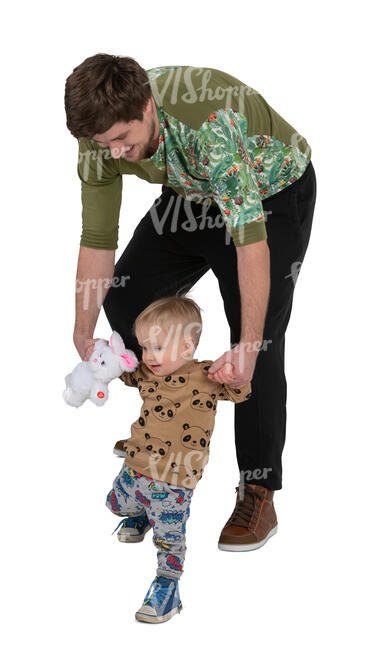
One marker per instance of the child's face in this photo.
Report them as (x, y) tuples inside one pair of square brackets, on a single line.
[(164, 350)]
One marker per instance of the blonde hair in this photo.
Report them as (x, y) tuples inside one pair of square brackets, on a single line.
[(167, 311)]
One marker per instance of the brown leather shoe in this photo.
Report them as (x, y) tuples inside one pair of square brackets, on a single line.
[(118, 448), (252, 522)]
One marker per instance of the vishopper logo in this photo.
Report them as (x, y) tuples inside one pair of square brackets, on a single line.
[(237, 355), (298, 141), (189, 78), (295, 270), (192, 223), (185, 468), (251, 475), (176, 333), (86, 157), (96, 286)]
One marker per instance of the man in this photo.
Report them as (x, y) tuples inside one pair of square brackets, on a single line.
[(238, 196)]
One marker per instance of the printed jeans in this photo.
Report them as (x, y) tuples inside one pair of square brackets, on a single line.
[(167, 507), (172, 247)]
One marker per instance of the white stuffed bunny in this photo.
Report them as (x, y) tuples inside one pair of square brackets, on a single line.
[(90, 379)]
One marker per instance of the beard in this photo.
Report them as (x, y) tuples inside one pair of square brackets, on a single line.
[(150, 147)]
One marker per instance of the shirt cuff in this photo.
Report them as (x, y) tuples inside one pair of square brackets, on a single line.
[(249, 233), (100, 240)]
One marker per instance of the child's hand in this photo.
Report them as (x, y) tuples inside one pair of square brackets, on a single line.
[(224, 375)]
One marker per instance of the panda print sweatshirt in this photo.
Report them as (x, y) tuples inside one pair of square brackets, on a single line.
[(170, 440)]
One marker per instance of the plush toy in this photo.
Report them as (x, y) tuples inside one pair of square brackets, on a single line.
[(90, 379)]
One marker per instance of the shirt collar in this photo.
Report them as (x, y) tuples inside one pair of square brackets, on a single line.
[(161, 131)]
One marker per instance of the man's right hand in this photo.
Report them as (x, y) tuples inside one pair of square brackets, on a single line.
[(85, 346)]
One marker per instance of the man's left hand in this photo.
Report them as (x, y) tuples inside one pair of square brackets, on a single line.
[(235, 367)]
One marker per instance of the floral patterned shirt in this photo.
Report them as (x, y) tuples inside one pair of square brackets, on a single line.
[(224, 145)]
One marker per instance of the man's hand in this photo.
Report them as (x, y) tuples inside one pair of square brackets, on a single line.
[(225, 373), (85, 346), (235, 367)]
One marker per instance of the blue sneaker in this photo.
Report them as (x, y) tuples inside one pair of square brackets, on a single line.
[(133, 528), (161, 602)]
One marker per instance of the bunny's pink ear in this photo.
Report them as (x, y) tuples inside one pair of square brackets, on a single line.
[(127, 357), (116, 343), (128, 360)]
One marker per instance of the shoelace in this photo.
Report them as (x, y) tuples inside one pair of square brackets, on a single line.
[(122, 521), (156, 593), (244, 513)]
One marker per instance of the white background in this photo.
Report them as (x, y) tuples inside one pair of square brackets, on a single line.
[(66, 582)]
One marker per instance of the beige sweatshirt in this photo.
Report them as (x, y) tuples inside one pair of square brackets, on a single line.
[(170, 440)]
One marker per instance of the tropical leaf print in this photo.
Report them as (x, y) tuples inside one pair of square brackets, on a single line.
[(219, 162), (153, 73), (276, 168), (232, 185), (221, 168)]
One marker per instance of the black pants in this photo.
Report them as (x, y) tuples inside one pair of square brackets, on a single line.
[(163, 257)]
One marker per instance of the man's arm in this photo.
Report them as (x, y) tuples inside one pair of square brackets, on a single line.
[(253, 266), (95, 271), (229, 168)]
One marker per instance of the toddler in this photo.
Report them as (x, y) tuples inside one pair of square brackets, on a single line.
[(169, 443)]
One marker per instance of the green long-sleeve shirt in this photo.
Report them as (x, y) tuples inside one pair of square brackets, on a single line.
[(219, 141)]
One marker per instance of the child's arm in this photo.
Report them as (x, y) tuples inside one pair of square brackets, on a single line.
[(225, 392), (130, 378)]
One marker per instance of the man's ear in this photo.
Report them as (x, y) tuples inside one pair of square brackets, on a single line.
[(148, 106)]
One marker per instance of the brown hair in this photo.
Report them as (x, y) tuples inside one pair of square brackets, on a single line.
[(102, 90), (173, 310)]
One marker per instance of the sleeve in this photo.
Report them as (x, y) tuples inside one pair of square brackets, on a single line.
[(101, 194), (129, 378), (225, 392), (224, 160)]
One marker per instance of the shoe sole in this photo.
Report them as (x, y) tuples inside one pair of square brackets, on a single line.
[(117, 452), (145, 618), (247, 547), (133, 538)]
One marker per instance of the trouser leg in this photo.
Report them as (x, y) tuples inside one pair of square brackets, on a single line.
[(167, 508), (121, 499), (168, 517), (260, 423)]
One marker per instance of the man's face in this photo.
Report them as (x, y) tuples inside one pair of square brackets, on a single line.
[(133, 140)]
